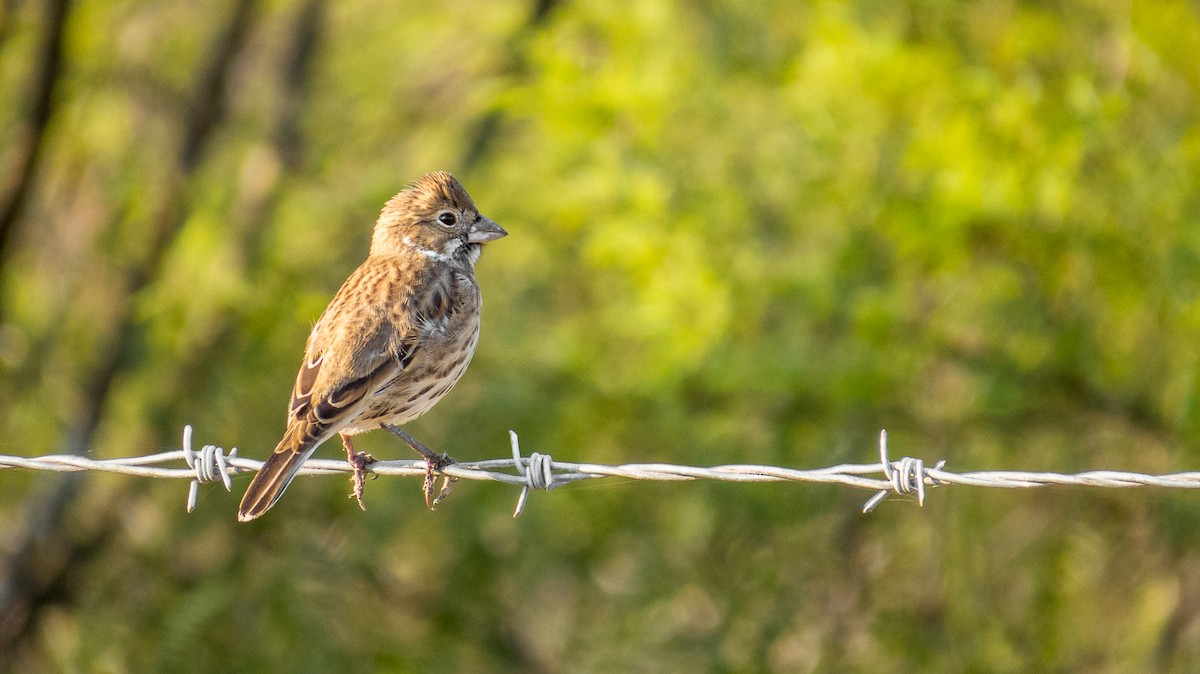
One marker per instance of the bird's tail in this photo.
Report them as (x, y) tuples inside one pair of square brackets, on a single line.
[(275, 475)]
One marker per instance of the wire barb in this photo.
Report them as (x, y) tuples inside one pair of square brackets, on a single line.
[(538, 475), (906, 476), (209, 464)]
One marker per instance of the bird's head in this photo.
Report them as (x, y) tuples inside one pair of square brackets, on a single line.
[(434, 217)]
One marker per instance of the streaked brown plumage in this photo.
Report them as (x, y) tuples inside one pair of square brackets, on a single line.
[(395, 338)]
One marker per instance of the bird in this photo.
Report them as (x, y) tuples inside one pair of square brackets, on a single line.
[(394, 339)]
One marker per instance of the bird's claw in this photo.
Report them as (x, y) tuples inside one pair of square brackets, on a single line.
[(434, 463), (433, 466), (358, 463)]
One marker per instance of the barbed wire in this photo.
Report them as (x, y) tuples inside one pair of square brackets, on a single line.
[(539, 472)]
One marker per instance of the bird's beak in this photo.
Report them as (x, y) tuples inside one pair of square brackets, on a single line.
[(484, 230)]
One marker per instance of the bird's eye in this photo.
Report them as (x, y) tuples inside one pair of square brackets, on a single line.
[(447, 218)]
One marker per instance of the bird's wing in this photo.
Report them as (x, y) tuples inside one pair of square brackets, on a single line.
[(338, 374), (317, 412)]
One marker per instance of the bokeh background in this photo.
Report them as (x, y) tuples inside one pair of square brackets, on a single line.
[(740, 233)]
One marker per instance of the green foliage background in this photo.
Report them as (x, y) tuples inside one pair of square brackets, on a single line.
[(740, 233)]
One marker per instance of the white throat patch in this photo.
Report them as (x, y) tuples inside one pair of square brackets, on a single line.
[(446, 255)]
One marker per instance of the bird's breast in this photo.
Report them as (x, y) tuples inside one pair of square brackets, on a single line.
[(443, 352)]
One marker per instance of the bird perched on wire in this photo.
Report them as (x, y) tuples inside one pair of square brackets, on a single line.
[(393, 341)]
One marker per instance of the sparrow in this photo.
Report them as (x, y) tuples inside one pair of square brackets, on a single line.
[(393, 341)]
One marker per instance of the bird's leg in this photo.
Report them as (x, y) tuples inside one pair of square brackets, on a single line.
[(358, 464), (434, 463)]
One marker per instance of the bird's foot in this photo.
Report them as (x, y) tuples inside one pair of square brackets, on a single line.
[(433, 467), (358, 466), (434, 464), (359, 477)]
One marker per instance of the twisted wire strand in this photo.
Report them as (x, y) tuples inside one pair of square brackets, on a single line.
[(540, 472)]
